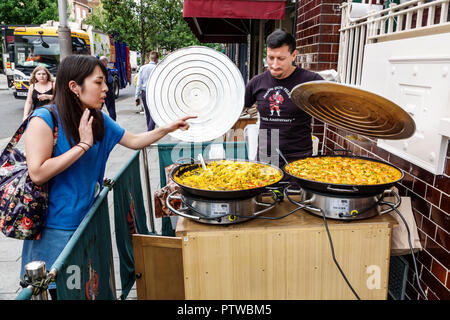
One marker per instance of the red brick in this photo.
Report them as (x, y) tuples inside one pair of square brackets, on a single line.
[(331, 18), (312, 31), (327, 57), (428, 227), (312, 13), (425, 258), (335, 48), (433, 195), (440, 290), (307, 23), (383, 154), (422, 174), (411, 292), (439, 271), (438, 253), (445, 203), (326, 29), (329, 38), (324, 47), (440, 218), (336, 29), (328, 8), (443, 238), (419, 187), (442, 183), (448, 280), (447, 167), (407, 181), (420, 204), (331, 1)]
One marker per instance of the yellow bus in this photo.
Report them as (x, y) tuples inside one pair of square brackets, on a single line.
[(34, 46)]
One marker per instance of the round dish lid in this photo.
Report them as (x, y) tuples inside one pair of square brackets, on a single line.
[(353, 109), (197, 81)]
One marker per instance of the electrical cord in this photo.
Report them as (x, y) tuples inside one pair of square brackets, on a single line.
[(334, 257), (246, 217), (410, 246), (270, 218), (302, 206)]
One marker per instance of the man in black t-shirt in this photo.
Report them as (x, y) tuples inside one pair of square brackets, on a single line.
[(283, 124)]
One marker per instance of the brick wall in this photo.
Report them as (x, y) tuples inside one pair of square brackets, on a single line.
[(318, 44), (317, 35)]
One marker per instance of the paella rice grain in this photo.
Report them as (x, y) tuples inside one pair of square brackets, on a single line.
[(229, 175)]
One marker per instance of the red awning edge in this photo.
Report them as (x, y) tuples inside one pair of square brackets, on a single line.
[(234, 9)]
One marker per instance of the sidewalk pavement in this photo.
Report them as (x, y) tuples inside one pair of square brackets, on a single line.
[(128, 116)]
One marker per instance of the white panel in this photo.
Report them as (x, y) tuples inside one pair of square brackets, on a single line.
[(417, 79)]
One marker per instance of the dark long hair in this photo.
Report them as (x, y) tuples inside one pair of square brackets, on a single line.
[(76, 68)]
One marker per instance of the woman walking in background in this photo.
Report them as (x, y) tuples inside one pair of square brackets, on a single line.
[(76, 167), (40, 91)]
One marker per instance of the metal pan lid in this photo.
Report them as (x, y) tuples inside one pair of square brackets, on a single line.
[(196, 81), (353, 109)]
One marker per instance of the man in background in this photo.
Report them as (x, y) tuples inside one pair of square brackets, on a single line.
[(144, 74), (110, 100), (283, 124)]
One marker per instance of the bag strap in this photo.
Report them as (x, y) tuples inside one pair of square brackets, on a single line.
[(18, 135)]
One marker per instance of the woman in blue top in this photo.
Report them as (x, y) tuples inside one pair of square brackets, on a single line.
[(75, 170)]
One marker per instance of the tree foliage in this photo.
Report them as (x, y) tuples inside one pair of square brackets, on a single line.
[(28, 11), (145, 25)]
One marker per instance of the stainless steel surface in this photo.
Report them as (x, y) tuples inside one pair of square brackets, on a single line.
[(196, 81), (35, 271), (211, 211), (343, 207), (353, 109)]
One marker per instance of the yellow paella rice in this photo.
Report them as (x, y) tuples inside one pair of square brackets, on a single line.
[(343, 170), (229, 175)]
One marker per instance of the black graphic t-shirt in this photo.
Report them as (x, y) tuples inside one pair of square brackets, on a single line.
[(277, 111)]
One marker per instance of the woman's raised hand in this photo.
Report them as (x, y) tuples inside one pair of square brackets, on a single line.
[(85, 128)]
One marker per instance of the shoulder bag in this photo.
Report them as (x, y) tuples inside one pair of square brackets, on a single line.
[(23, 204)]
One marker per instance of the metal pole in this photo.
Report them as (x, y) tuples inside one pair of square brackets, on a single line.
[(260, 47), (36, 271), (149, 192), (65, 41), (112, 275)]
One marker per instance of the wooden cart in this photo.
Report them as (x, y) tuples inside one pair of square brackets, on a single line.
[(288, 258)]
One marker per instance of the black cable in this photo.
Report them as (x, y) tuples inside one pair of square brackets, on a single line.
[(410, 246), (334, 257), (270, 218), (246, 217)]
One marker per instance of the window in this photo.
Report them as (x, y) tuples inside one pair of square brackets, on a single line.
[(79, 46)]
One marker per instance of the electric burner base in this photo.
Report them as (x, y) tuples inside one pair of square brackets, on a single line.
[(340, 207), (220, 211)]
